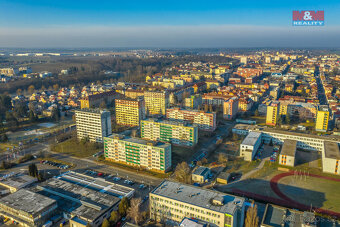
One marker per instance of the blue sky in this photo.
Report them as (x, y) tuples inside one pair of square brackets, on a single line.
[(24, 23)]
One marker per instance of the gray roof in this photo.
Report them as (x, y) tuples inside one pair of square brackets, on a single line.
[(331, 150), (198, 196), (289, 148), (27, 201), (277, 216), (139, 141), (17, 180), (251, 138), (201, 170)]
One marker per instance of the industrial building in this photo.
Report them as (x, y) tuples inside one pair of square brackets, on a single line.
[(16, 181), (82, 199), (175, 132), (204, 121), (28, 208), (288, 153), (93, 124), (154, 156), (129, 112), (175, 201), (250, 145), (330, 158)]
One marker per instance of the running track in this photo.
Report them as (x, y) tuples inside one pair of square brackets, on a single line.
[(285, 200)]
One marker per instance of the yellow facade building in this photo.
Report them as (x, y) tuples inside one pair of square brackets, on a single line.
[(272, 114), (156, 102), (322, 119), (129, 112)]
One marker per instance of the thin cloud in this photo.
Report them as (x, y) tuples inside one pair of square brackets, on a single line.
[(171, 36)]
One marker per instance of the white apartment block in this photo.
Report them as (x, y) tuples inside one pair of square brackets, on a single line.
[(154, 156), (93, 123)]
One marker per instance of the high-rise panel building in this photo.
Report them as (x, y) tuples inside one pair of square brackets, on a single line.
[(93, 123), (156, 102), (272, 114), (155, 156), (322, 119), (176, 132), (129, 112), (230, 108)]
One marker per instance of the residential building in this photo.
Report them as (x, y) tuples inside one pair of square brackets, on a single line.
[(230, 108), (93, 123), (272, 114), (275, 216), (330, 158), (201, 174), (94, 100), (28, 208), (193, 102), (176, 132), (129, 112), (175, 201), (250, 145), (154, 156), (156, 102), (244, 60), (204, 121), (322, 119), (288, 153)]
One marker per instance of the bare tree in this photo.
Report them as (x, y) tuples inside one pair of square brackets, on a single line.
[(183, 173), (252, 220), (134, 210), (222, 158)]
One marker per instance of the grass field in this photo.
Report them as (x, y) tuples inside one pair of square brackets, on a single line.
[(75, 148), (318, 192)]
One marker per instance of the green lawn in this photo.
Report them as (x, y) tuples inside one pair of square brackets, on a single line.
[(76, 148)]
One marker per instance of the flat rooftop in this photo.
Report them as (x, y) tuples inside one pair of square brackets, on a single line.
[(81, 196), (251, 138), (198, 196), (17, 180), (277, 216), (27, 201), (289, 148), (171, 122), (200, 170), (96, 111), (331, 150), (139, 140)]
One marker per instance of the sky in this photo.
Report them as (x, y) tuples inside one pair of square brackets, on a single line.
[(176, 23)]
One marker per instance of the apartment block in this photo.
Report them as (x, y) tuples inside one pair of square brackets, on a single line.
[(94, 101), (93, 123), (129, 112), (322, 120), (176, 132), (230, 108), (193, 102), (204, 121), (154, 156), (156, 102), (272, 114), (175, 201)]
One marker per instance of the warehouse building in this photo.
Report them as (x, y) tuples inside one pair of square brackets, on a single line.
[(201, 174), (288, 153), (155, 156), (28, 208), (175, 201), (16, 181), (175, 132), (93, 124)]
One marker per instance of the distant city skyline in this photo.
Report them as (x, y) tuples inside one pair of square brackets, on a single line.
[(26, 23)]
